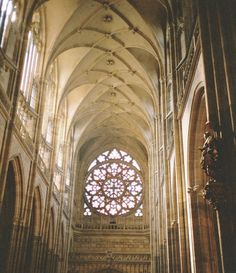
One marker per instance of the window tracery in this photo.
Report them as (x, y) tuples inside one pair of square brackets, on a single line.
[(33, 49), (48, 117), (61, 136), (49, 131), (50, 102), (114, 184), (30, 81), (7, 18)]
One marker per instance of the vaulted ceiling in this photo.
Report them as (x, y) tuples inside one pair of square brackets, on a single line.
[(109, 56)]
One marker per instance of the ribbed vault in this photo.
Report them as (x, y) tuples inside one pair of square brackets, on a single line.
[(109, 59)]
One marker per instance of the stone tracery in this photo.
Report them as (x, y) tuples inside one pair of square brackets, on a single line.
[(114, 183), (83, 74)]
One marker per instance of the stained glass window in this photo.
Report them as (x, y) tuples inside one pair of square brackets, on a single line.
[(114, 184)]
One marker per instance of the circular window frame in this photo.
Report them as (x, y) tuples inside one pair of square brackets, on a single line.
[(138, 173)]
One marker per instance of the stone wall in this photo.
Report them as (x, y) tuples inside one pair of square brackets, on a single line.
[(122, 250)]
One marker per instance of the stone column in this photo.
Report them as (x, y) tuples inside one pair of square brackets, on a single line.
[(215, 19), (34, 263), (14, 246)]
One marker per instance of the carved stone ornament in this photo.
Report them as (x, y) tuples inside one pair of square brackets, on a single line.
[(215, 194), (210, 161), (214, 191)]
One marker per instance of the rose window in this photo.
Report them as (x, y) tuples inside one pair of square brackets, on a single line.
[(114, 184)]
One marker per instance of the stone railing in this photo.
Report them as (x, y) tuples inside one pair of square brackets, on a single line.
[(43, 168), (24, 134), (58, 182), (185, 66), (27, 115), (45, 151), (114, 257), (112, 227)]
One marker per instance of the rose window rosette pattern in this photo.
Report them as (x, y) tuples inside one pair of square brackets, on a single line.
[(114, 184)]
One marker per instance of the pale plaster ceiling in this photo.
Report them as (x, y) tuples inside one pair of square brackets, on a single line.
[(109, 56)]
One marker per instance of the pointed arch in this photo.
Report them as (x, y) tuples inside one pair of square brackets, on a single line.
[(198, 121), (202, 216), (11, 209), (15, 167)]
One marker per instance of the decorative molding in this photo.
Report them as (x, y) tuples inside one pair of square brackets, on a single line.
[(215, 194), (111, 227), (194, 189), (110, 62), (110, 257), (186, 67), (210, 159), (211, 162), (108, 18), (180, 25)]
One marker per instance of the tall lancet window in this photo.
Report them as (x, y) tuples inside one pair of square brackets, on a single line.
[(29, 78), (8, 10), (50, 91), (60, 148), (50, 103), (61, 137), (114, 185), (30, 83)]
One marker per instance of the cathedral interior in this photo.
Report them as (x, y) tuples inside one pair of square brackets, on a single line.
[(117, 136)]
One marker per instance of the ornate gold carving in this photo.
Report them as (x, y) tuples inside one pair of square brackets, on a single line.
[(215, 194), (214, 191), (210, 156)]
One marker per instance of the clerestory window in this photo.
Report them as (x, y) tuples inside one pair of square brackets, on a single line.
[(30, 82), (7, 17), (114, 185)]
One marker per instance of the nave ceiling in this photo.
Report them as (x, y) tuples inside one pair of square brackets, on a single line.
[(109, 57)]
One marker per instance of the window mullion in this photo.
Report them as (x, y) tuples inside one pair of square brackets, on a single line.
[(31, 74), (28, 63), (22, 87)]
